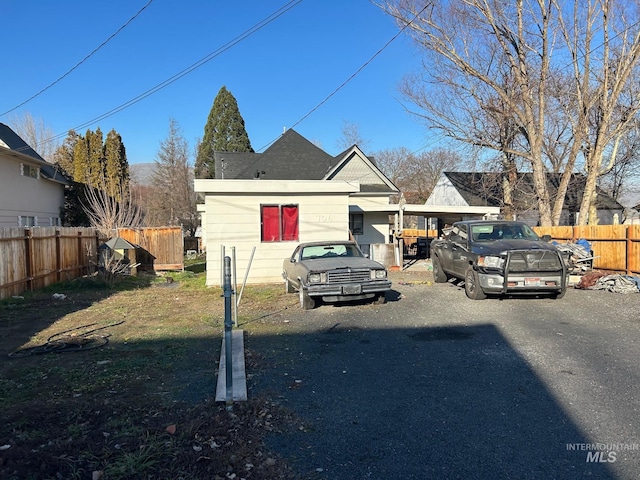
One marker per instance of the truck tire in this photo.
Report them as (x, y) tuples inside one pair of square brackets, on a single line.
[(559, 294), (306, 302), (439, 275), (472, 285)]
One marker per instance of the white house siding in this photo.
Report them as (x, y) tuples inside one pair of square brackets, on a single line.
[(358, 168), (444, 193), (232, 220), (25, 196)]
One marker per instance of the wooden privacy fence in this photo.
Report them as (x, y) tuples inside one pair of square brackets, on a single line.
[(165, 244), (32, 258), (615, 247)]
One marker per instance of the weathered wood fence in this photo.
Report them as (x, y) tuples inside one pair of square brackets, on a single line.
[(615, 247), (165, 244), (33, 258)]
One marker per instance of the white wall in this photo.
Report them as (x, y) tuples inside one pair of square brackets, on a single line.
[(444, 193), (25, 196), (232, 219)]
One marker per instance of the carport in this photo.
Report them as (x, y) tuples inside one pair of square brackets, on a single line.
[(447, 213)]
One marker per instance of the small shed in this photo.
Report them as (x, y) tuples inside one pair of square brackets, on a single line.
[(118, 251)]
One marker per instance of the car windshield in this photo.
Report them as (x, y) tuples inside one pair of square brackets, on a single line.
[(329, 250), (488, 232)]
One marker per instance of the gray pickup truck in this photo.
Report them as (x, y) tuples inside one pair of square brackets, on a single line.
[(499, 257)]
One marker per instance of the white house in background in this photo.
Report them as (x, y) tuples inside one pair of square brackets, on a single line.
[(263, 204), (484, 190), (31, 189)]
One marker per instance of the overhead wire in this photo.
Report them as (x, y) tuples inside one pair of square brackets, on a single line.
[(356, 73), (80, 62), (207, 58)]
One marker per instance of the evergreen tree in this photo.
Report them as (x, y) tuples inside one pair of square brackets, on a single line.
[(116, 165), (63, 155), (95, 149), (223, 132), (81, 161)]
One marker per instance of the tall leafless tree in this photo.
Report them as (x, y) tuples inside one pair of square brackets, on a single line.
[(37, 134), (480, 53)]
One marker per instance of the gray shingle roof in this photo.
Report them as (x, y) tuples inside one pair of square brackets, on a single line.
[(291, 157), (17, 144), (484, 189)]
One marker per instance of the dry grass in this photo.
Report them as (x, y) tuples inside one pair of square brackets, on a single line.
[(139, 406)]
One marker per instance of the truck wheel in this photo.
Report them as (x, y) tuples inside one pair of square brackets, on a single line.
[(306, 302), (560, 294), (472, 285), (288, 287), (439, 275)]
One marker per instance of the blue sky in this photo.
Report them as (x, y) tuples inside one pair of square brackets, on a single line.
[(278, 74)]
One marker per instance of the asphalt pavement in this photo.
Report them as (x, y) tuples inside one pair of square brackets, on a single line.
[(434, 385)]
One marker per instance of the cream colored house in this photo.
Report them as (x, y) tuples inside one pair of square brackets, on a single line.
[(261, 206), (31, 190)]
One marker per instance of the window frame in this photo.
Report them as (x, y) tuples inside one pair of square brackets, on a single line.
[(354, 218), (287, 217)]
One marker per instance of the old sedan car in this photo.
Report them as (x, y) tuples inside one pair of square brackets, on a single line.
[(333, 271)]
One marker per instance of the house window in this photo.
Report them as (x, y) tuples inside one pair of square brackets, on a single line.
[(26, 221), (54, 221), (29, 171), (356, 223), (279, 223)]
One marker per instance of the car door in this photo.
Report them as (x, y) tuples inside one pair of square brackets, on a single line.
[(459, 249)]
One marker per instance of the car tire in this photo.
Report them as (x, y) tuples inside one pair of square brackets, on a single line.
[(439, 275), (381, 299), (306, 302), (472, 285), (288, 287), (560, 294)]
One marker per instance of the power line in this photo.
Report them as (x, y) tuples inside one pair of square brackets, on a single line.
[(362, 67), (80, 62), (256, 27)]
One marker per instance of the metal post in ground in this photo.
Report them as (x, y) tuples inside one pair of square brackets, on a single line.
[(228, 325)]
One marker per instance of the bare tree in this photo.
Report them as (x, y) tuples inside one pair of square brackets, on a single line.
[(37, 135), (416, 174), (107, 213), (351, 136), (174, 200), (480, 54)]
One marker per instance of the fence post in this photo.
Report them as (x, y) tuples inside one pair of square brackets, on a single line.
[(627, 254), (29, 257), (58, 257)]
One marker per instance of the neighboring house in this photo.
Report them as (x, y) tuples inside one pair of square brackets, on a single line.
[(261, 205), (31, 189), (485, 189)]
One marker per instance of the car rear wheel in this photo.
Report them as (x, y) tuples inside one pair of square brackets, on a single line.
[(288, 287), (306, 302), (439, 275), (472, 285)]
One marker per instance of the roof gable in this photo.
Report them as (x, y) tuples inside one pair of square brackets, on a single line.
[(293, 157)]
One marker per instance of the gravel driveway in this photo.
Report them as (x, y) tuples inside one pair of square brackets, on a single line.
[(433, 385)]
